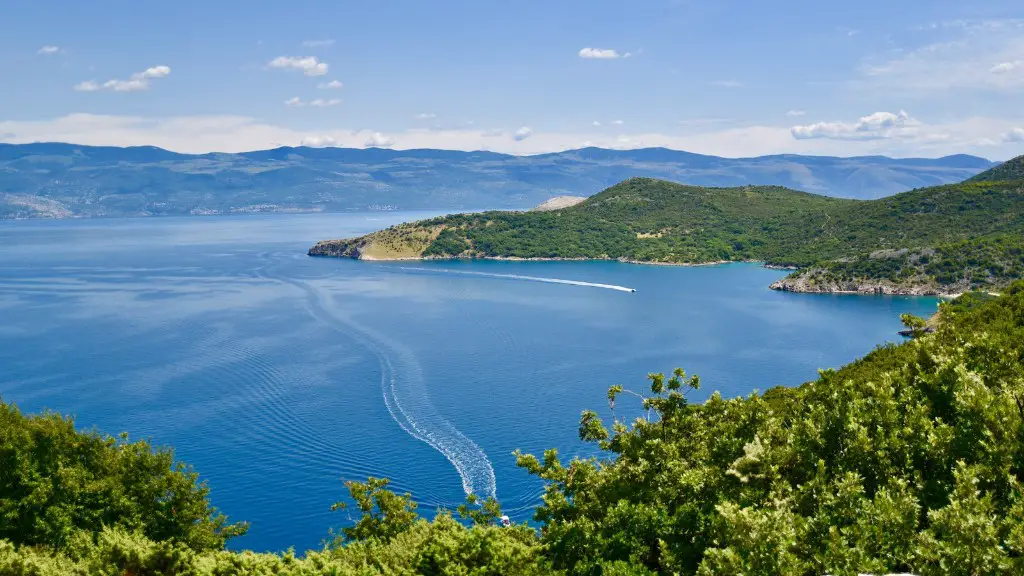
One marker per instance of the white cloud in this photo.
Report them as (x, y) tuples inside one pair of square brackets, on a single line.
[(877, 125), (154, 72), (618, 122), (225, 133), (309, 65), (426, 116), (602, 54), (87, 86), (727, 83), (138, 81), (322, 103), (794, 113), (378, 140), (133, 85), (1004, 67), (522, 134), (595, 123), (48, 50), (295, 101), (317, 43), (1014, 135), (318, 141), (332, 85)]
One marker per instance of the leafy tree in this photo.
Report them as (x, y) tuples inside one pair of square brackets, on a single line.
[(57, 483)]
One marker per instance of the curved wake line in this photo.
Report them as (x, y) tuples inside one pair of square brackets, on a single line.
[(406, 397), (527, 278)]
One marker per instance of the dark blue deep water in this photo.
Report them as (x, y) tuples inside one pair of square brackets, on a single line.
[(277, 375)]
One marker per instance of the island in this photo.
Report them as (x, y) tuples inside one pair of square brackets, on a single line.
[(937, 240)]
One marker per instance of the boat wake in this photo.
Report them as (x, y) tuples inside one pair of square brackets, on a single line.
[(519, 277), (405, 393)]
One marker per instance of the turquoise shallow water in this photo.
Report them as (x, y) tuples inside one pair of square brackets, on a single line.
[(277, 374)]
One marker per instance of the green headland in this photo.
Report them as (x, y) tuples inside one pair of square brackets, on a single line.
[(942, 239)]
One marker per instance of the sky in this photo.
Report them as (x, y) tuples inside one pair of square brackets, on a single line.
[(724, 77)]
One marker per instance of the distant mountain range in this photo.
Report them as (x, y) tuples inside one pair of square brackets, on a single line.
[(56, 180)]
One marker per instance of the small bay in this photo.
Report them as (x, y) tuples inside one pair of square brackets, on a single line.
[(277, 375)]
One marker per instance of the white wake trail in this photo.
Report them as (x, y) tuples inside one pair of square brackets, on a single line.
[(526, 278), (406, 397)]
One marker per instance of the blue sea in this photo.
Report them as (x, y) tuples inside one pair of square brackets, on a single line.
[(278, 375)]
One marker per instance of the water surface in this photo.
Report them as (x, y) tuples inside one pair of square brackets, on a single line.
[(277, 375)]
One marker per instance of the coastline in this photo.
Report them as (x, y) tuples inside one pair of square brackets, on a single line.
[(781, 285), (359, 256)]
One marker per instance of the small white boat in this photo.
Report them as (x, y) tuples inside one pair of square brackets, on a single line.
[(505, 521)]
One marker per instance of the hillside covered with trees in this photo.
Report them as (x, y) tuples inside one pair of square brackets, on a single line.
[(910, 459), (647, 220)]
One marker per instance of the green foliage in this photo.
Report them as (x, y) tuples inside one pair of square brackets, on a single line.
[(441, 547), (384, 514), (916, 325), (1007, 171), (447, 243), (57, 483), (907, 460), (652, 220), (985, 263)]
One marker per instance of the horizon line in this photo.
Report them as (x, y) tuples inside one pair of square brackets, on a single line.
[(483, 151)]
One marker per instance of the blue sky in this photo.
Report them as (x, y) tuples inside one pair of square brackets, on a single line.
[(725, 77)]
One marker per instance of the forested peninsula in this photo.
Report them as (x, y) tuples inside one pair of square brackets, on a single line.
[(910, 459), (936, 240)]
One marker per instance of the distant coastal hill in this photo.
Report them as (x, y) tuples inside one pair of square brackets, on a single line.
[(954, 237), (66, 180)]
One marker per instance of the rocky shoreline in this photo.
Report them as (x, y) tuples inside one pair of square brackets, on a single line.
[(864, 287)]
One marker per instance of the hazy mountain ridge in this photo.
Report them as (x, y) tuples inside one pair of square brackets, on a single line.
[(59, 180)]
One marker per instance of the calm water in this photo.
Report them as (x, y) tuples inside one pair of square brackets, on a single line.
[(277, 375)]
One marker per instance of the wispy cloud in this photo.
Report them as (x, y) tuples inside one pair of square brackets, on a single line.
[(318, 141), (226, 133), (973, 56), (1004, 67), (49, 50), (137, 82), (426, 116), (332, 85), (308, 65), (872, 126), (602, 54), (317, 43), (727, 83), (618, 122), (295, 101), (795, 113), (1014, 135), (324, 102)]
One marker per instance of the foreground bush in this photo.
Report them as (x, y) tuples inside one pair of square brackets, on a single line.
[(907, 460), (58, 484)]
